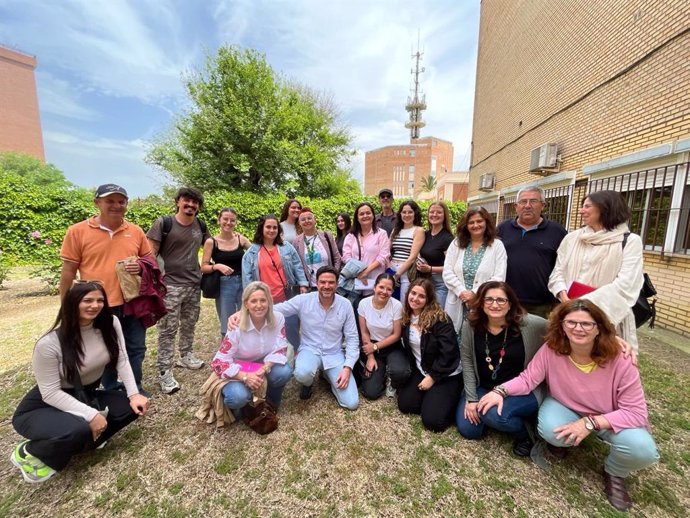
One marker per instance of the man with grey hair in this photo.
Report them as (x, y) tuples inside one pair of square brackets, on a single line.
[(531, 242)]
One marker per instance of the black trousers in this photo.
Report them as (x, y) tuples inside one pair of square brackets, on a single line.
[(437, 405), (398, 365), (55, 436)]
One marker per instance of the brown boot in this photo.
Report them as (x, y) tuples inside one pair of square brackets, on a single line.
[(616, 493), (557, 451)]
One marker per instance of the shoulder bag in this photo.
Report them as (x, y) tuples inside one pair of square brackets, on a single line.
[(644, 310), (290, 290), (210, 282)]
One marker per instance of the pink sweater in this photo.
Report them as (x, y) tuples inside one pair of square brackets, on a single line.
[(613, 390)]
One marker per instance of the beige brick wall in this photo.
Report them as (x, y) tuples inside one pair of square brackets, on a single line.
[(20, 123), (600, 79)]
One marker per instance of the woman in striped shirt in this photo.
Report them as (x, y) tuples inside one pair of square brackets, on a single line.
[(407, 239)]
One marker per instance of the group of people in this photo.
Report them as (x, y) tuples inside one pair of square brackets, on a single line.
[(452, 324)]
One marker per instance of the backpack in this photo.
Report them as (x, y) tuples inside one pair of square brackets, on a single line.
[(167, 227)]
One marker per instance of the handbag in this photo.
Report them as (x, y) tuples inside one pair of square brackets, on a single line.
[(644, 310), (290, 290), (261, 418), (210, 282), (87, 396)]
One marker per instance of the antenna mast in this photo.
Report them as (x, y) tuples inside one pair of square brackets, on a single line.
[(416, 101)]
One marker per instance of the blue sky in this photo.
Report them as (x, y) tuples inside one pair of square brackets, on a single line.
[(109, 71)]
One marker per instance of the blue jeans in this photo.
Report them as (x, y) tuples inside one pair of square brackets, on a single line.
[(511, 420), (631, 449), (308, 364), (135, 344), (236, 394), (292, 331), (229, 300), (440, 287)]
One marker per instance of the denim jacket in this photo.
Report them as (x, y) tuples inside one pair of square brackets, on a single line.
[(292, 266)]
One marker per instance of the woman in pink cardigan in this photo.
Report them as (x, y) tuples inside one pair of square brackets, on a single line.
[(593, 388)]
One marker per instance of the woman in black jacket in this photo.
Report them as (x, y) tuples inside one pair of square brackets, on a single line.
[(434, 385)]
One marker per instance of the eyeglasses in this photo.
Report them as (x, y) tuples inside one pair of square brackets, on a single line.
[(585, 325), (529, 202), (488, 301)]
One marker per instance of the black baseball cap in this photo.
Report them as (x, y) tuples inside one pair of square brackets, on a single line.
[(108, 189), (385, 191)]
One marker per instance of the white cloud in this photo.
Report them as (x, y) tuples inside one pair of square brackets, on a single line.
[(60, 97)]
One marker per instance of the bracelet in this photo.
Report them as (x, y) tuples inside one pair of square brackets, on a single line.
[(500, 390)]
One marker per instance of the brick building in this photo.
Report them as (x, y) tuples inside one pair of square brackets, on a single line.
[(584, 96), (403, 168), (20, 127)]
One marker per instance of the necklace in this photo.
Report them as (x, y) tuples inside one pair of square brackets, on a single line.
[(501, 354)]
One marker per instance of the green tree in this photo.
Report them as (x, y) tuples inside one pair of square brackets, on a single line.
[(428, 184), (249, 129), (33, 170)]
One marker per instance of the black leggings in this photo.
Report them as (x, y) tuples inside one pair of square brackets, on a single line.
[(55, 436), (398, 365), (436, 406)]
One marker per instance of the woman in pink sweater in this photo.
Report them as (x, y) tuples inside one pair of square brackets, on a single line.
[(593, 388)]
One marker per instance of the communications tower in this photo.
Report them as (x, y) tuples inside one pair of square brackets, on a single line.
[(416, 101)]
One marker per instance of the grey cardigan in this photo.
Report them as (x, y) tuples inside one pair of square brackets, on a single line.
[(533, 329)]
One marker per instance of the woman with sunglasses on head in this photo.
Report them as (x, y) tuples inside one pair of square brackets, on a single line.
[(498, 341), (593, 389), (474, 257), (434, 383), (380, 325), (58, 419), (254, 352), (289, 223), (315, 248), (275, 263), (343, 224), (605, 259), (223, 253), (407, 239), (437, 239)]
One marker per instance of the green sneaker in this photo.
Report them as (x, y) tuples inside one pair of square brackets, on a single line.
[(33, 470)]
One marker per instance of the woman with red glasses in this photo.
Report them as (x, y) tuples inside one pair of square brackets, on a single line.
[(593, 389)]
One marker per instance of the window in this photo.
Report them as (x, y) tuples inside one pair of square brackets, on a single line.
[(433, 167), (411, 171), (410, 186), (558, 204), (509, 207), (659, 200), (413, 152)]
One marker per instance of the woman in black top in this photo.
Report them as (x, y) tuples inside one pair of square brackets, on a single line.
[(224, 253), (433, 387), (343, 223), (433, 253)]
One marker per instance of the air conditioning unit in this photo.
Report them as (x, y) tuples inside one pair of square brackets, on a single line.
[(543, 158), (487, 182)]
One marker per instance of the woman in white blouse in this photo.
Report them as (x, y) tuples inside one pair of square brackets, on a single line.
[(474, 257), (254, 352)]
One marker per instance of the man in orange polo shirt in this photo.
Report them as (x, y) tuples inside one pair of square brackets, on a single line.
[(92, 248)]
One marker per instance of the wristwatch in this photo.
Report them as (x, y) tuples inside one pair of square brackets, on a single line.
[(589, 424), (244, 379)]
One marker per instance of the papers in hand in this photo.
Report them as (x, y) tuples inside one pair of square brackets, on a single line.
[(365, 285)]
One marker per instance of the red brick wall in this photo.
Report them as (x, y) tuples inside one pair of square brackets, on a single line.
[(20, 127)]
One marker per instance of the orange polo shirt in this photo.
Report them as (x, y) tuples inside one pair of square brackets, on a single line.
[(96, 251)]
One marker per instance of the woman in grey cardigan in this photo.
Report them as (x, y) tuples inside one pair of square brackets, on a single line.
[(498, 341)]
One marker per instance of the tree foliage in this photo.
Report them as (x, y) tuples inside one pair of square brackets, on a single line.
[(428, 183), (33, 170), (251, 130)]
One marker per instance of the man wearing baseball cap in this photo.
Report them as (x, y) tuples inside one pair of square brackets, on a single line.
[(386, 219), (92, 248)]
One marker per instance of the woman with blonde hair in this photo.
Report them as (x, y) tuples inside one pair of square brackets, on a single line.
[(255, 352)]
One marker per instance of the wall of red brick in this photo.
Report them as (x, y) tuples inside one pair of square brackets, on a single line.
[(20, 127)]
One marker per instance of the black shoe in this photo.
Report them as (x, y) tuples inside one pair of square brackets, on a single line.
[(557, 451), (305, 392), (616, 493), (522, 447)]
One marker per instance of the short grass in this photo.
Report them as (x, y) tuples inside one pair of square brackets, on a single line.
[(323, 461)]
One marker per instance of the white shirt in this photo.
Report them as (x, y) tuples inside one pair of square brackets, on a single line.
[(416, 344), (267, 344), (380, 321), (289, 231), (315, 256)]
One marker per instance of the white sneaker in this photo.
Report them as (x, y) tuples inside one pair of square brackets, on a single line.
[(390, 391), (168, 383), (189, 361)]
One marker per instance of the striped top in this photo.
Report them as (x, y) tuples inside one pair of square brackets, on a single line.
[(402, 244)]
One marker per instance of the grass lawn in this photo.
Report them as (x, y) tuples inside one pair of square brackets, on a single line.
[(322, 460)]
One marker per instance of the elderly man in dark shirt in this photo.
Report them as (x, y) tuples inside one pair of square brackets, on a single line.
[(531, 242), (386, 218)]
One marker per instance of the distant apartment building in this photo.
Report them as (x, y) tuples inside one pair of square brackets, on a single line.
[(20, 123), (404, 168), (582, 96)]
